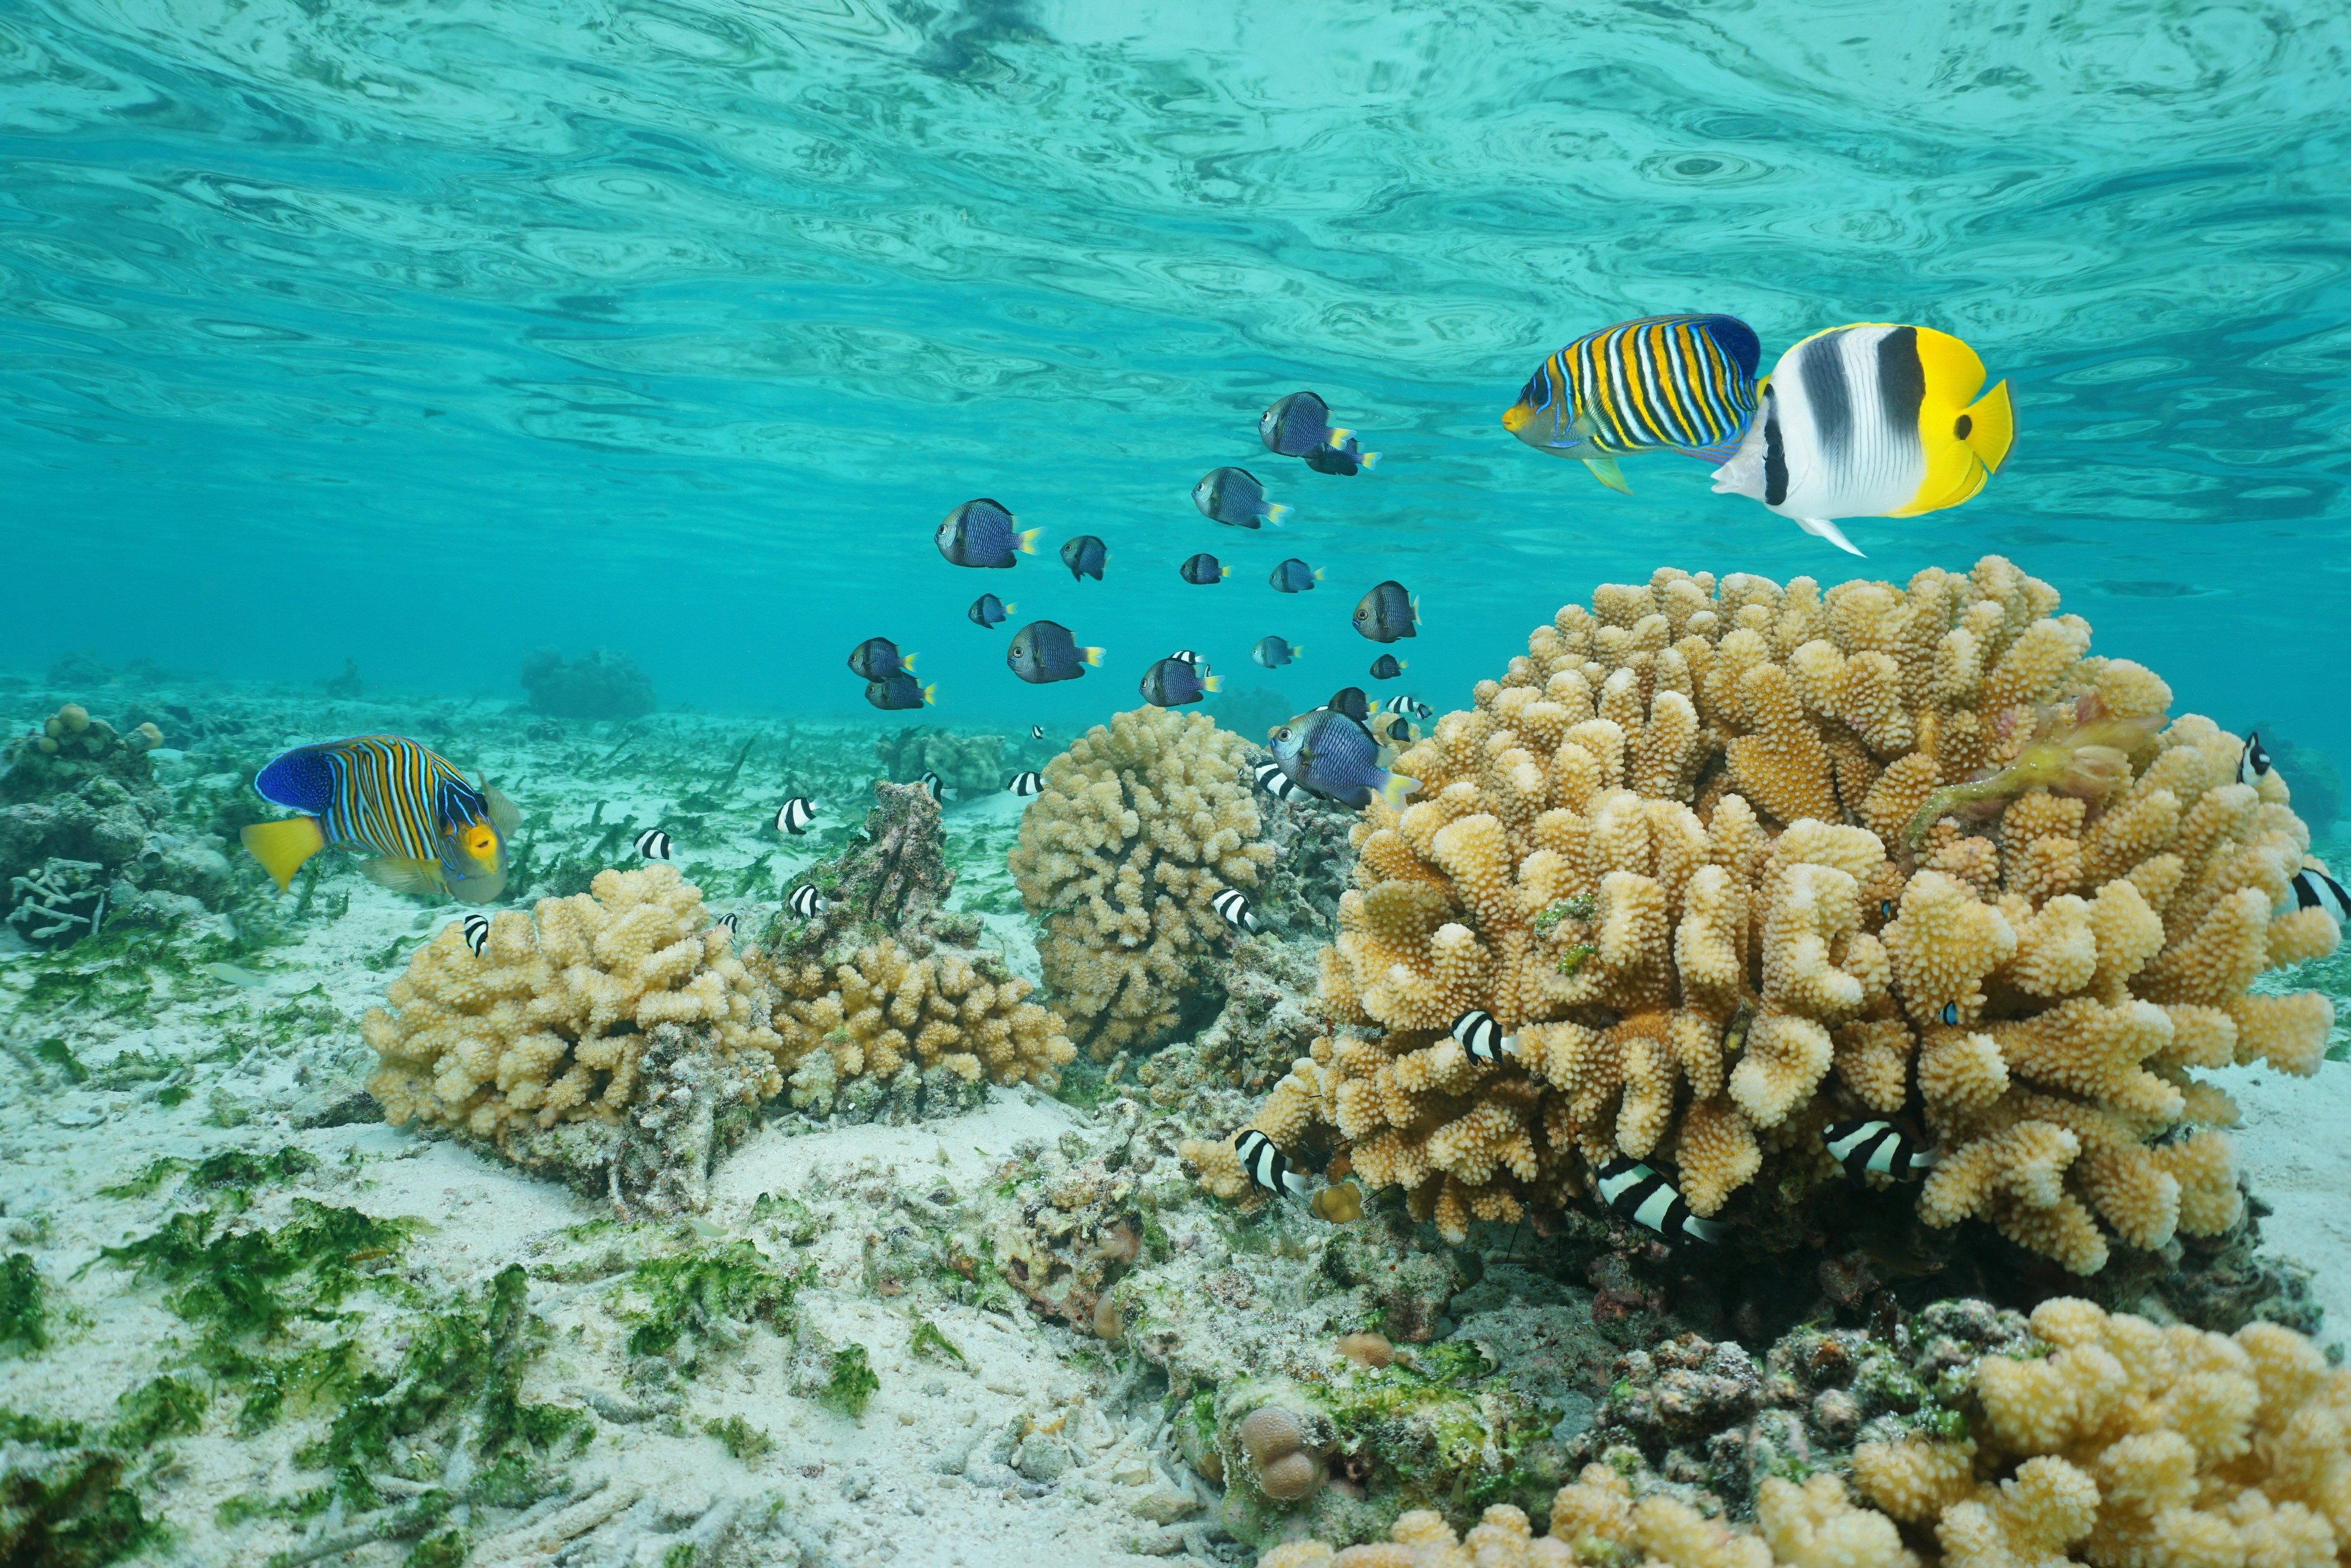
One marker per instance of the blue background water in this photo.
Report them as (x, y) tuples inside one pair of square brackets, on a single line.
[(430, 332)]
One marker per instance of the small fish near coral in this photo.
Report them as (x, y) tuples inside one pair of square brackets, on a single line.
[(1029, 783), (935, 786), (1682, 384), (1232, 907), (1410, 707), (1044, 651), (1085, 556), (1635, 1192), (983, 533), (806, 901), (1174, 681), (1190, 657), (1202, 569), (1388, 612), (1235, 497), (2314, 889), (476, 930), (1477, 1033), (1267, 1167), (1350, 701), (1392, 730), (1272, 780), (433, 834), (1388, 667), (794, 815), (654, 844), (900, 692), (1872, 1144), (1335, 755), (1293, 575), (1273, 652), (1874, 420), (988, 611), (732, 921), (1036, 732), (2253, 762), (878, 659)]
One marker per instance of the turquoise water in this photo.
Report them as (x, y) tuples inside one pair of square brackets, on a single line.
[(429, 334)]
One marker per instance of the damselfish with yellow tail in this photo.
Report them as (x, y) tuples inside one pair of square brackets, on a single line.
[(431, 832)]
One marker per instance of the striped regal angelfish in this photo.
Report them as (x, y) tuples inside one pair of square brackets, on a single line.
[(1640, 1195), (1683, 383), (1874, 420), (432, 833)]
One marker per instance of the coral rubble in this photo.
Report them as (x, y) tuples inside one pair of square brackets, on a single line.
[(1142, 822), (1955, 869)]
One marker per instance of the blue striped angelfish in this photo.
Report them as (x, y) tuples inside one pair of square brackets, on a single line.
[(430, 833), (1683, 383)]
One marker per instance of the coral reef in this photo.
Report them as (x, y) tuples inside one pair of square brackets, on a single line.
[(1142, 822), (70, 746), (886, 1004), (604, 685), (1313, 864), (61, 901), (1693, 805), (970, 764), (612, 1038)]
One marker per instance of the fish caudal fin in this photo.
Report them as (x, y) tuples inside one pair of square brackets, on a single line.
[(1368, 460), (1026, 543), (1092, 656), (1337, 440), (1822, 528), (909, 662), (1318, 574), (1212, 683), (930, 696), (282, 847), (1604, 468), (1991, 427), (423, 879), (1274, 513), (1222, 572), (1010, 608), (1398, 789)]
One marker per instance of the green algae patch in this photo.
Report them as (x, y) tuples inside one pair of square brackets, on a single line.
[(740, 1438), (24, 1306), (850, 1384), (924, 1339), (70, 1510), (706, 1293)]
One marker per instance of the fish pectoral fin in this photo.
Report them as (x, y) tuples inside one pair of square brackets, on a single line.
[(1822, 528), (281, 847), (504, 816), (420, 878), (1604, 468)]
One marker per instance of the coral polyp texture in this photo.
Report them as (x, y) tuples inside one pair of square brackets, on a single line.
[(1143, 821), (1733, 860), (549, 1028)]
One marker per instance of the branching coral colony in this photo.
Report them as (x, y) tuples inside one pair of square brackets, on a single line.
[(1693, 804)]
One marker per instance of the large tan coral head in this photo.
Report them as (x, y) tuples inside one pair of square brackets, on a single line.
[(432, 833)]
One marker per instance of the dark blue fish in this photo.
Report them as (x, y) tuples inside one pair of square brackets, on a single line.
[(1044, 651), (1233, 496), (1294, 576), (1297, 425), (1333, 755), (1388, 612), (983, 533), (988, 611), (1350, 701), (1172, 682), (1341, 460), (1388, 668), (878, 659), (1273, 652), (900, 691), (1203, 568), (1084, 555)]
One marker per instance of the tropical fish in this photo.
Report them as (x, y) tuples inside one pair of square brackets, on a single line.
[(983, 533), (1279, 785), (878, 659), (806, 901), (1412, 706), (1036, 732), (233, 975), (1649, 1200), (1683, 383), (900, 691), (1387, 612), (732, 921), (1084, 555), (1874, 1146), (1044, 651), (1273, 652), (1267, 1167), (1029, 783), (1232, 907), (2314, 889), (1388, 668), (1297, 425), (988, 611), (1346, 460), (1950, 1015), (934, 784), (476, 929), (1294, 576), (1350, 701), (1873, 420), (1190, 657), (1339, 1203), (432, 832), (1392, 730), (795, 815), (1333, 755), (1203, 568), (1173, 681), (1234, 495), (1477, 1032), (654, 844), (2253, 762)]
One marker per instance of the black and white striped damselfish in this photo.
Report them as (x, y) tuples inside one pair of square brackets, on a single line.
[(1681, 383), (1869, 1145), (806, 901), (476, 929), (1477, 1032), (430, 831), (1202, 569), (2314, 889), (1029, 783), (1232, 907), (936, 786), (983, 533), (2253, 762), (1267, 1167), (654, 844), (1279, 785), (1412, 707), (794, 815), (732, 921), (1637, 1193)]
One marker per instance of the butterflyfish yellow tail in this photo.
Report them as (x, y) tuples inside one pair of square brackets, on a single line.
[(1027, 543), (282, 847), (1212, 683), (1988, 427), (1091, 655)]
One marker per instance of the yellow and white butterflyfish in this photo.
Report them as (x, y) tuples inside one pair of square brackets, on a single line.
[(1873, 420)]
